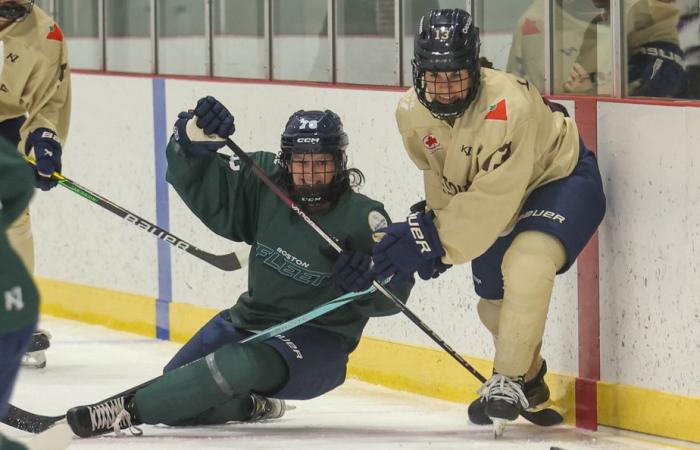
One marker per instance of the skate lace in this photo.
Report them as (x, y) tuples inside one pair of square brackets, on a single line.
[(112, 414), (501, 387)]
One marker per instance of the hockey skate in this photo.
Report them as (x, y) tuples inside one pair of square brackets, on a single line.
[(36, 355), (536, 391), (111, 415), (504, 400), (265, 408)]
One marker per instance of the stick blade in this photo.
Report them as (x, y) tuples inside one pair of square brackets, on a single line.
[(228, 262), (30, 422)]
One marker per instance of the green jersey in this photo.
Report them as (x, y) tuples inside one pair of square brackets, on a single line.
[(19, 299), (288, 273)]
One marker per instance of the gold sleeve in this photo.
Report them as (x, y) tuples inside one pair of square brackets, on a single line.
[(50, 90)]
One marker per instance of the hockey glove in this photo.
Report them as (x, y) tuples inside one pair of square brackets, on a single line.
[(406, 246), (351, 269), (429, 269), (204, 130), (43, 146), (657, 71)]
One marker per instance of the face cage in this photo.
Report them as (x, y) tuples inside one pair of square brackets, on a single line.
[(315, 195), (16, 12), (426, 91)]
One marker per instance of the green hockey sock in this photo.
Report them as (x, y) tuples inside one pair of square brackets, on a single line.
[(234, 370), (236, 409)]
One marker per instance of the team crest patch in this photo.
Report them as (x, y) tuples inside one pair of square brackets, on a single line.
[(497, 111), (431, 143), (377, 221), (55, 33)]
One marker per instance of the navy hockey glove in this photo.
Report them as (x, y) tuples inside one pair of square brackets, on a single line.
[(204, 130), (657, 71), (43, 146), (406, 246), (429, 269), (351, 269), (432, 269)]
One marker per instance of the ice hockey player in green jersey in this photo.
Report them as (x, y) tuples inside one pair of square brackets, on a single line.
[(19, 299), (214, 379)]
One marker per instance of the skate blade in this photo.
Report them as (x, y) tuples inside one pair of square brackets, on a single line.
[(499, 426), (549, 404), (36, 360)]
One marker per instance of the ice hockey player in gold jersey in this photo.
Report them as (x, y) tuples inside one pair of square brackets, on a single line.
[(509, 186), (34, 110)]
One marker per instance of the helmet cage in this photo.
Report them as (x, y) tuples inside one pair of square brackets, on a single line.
[(310, 133), (447, 41), (16, 11)]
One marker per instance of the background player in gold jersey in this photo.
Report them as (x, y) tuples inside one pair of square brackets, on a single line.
[(509, 186), (34, 110), (656, 64)]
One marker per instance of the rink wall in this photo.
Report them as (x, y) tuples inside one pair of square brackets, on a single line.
[(630, 360)]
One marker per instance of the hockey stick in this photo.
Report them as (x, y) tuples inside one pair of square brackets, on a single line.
[(36, 423), (228, 262), (388, 294)]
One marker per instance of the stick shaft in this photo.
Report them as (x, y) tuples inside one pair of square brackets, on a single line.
[(294, 207), (227, 262)]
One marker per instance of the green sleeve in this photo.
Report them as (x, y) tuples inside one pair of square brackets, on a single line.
[(224, 196), (16, 183)]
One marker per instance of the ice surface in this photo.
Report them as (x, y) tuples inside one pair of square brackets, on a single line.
[(87, 363)]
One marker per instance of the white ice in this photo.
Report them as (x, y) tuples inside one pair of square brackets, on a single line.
[(87, 363)]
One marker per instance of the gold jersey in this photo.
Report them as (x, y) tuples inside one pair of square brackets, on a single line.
[(479, 172), (526, 57), (646, 21), (34, 75)]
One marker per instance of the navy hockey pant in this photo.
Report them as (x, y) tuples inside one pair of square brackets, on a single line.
[(316, 359), (12, 346), (569, 209)]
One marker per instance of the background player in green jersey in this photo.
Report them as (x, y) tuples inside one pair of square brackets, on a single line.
[(291, 271), (19, 299)]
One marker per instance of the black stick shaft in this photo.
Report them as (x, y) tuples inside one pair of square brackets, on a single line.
[(404, 309), (227, 262)]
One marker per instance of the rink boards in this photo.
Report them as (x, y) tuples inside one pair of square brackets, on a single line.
[(95, 267)]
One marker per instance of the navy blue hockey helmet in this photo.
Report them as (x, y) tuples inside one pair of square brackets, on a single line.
[(315, 132), (17, 10), (447, 41)]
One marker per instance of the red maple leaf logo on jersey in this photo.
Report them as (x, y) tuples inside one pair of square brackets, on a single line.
[(431, 142), (55, 33), (497, 111)]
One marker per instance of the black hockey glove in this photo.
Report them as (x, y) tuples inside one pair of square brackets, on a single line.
[(350, 269), (203, 130), (43, 145)]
